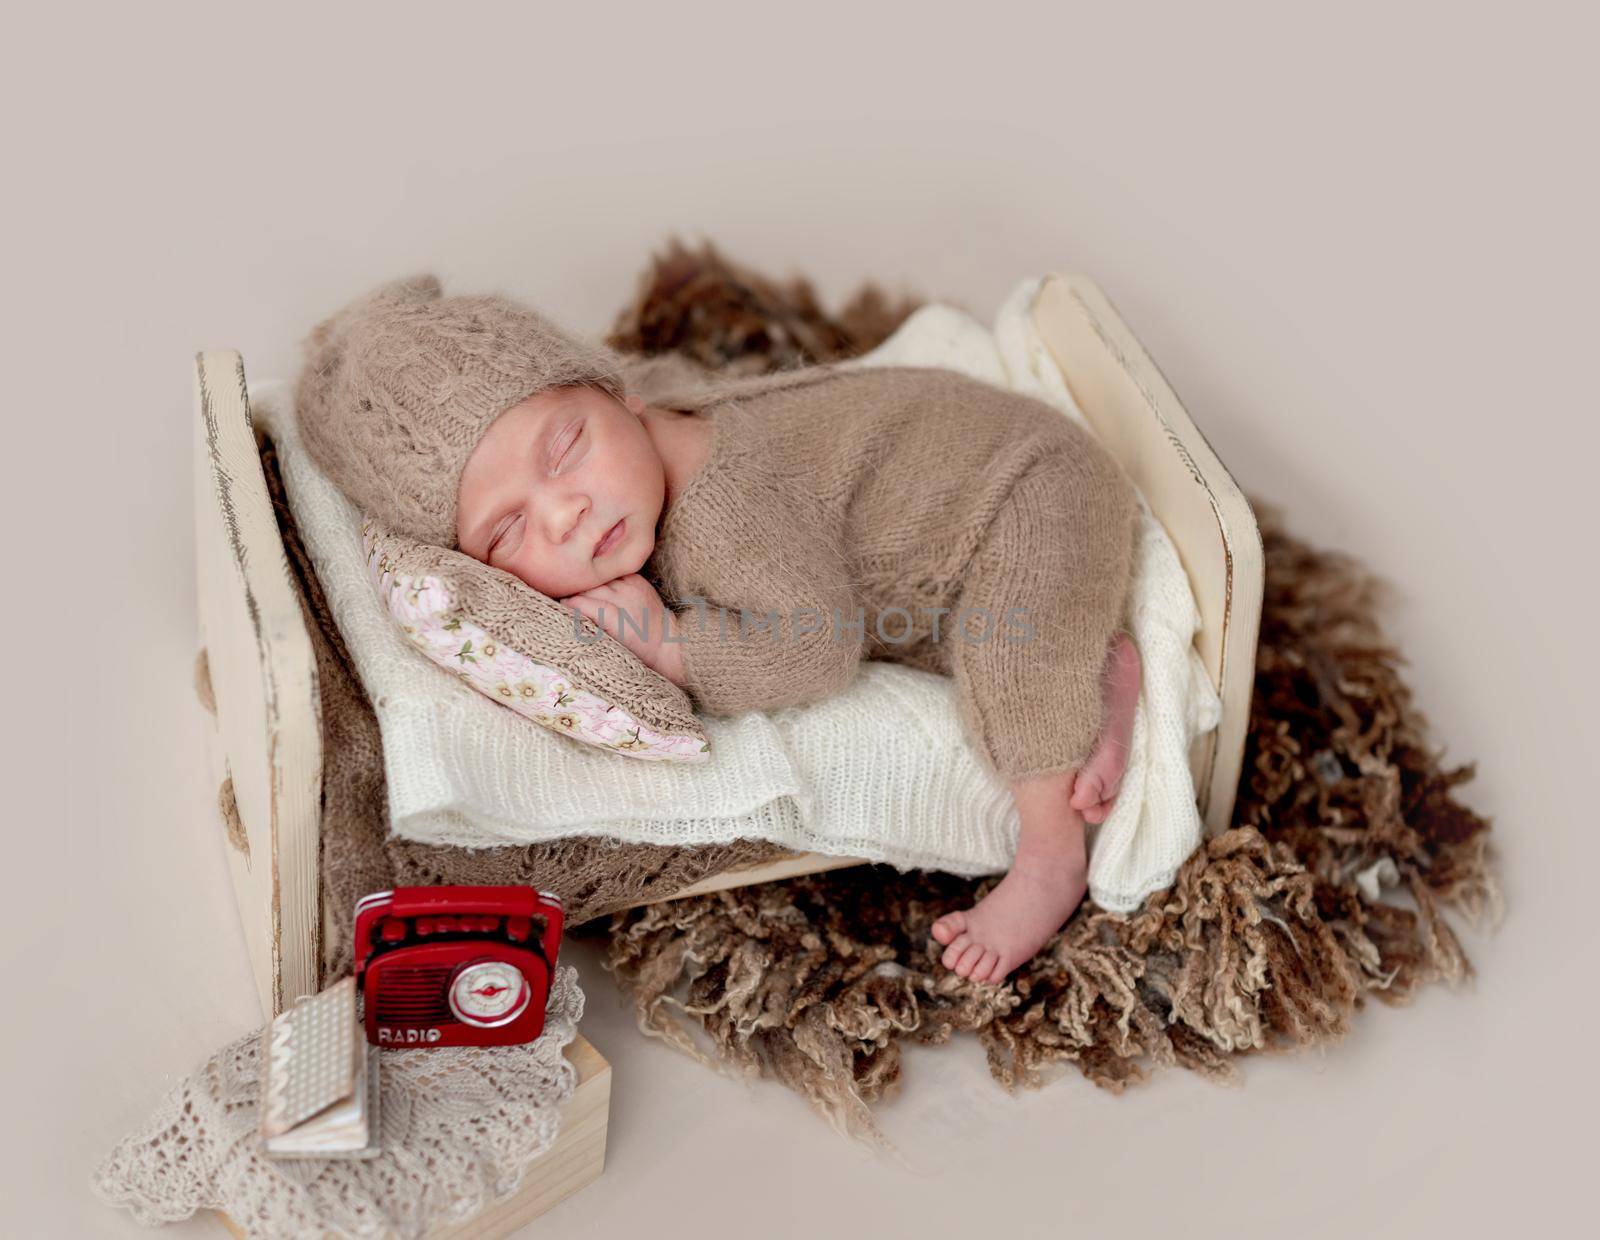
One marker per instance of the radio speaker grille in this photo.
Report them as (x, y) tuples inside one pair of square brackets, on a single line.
[(415, 996)]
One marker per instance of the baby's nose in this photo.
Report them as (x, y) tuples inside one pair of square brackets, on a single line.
[(569, 519)]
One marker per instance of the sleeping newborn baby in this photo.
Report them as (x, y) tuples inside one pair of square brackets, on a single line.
[(754, 540)]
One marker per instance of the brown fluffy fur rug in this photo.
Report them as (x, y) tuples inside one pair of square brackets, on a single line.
[(1271, 938)]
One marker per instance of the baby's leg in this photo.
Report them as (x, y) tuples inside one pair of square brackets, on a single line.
[(1049, 875), (1041, 602), (1040, 705), (1046, 883)]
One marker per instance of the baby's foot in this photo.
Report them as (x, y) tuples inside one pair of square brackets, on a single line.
[(1012, 922), (1100, 778)]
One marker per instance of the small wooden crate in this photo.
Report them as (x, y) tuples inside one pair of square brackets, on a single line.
[(577, 1157)]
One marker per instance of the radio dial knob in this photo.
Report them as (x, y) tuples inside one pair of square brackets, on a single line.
[(487, 993)]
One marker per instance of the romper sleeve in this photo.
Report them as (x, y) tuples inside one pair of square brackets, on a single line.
[(780, 626)]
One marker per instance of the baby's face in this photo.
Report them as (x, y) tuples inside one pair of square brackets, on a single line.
[(550, 480)]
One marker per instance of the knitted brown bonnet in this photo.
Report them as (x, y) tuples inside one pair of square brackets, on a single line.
[(397, 388)]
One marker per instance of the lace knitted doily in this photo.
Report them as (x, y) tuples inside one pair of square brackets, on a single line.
[(460, 1126)]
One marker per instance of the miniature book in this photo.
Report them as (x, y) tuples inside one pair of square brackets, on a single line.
[(319, 1098)]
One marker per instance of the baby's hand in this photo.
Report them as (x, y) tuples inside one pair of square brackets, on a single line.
[(649, 621)]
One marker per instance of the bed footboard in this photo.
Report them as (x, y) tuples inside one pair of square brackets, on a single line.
[(1137, 415)]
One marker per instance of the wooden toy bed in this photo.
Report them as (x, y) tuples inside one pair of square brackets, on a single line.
[(267, 737)]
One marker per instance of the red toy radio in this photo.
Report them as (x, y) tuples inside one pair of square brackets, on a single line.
[(456, 966)]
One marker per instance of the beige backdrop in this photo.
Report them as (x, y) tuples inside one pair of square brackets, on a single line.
[(1358, 240)]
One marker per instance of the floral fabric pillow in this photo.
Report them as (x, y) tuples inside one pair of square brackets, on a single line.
[(528, 652)]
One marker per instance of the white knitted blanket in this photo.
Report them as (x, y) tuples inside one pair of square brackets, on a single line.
[(880, 771)]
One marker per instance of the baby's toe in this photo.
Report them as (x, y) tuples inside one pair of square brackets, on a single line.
[(1097, 791), (948, 926), (954, 951), (1103, 810), (986, 963), (1085, 791), (969, 959)]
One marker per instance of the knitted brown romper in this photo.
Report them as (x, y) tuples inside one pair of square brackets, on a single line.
[(911, 514)]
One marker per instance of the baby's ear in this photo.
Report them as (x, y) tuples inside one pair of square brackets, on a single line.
[(635, 404)]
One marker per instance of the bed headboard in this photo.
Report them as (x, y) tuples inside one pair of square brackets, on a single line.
[(261, 674)]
